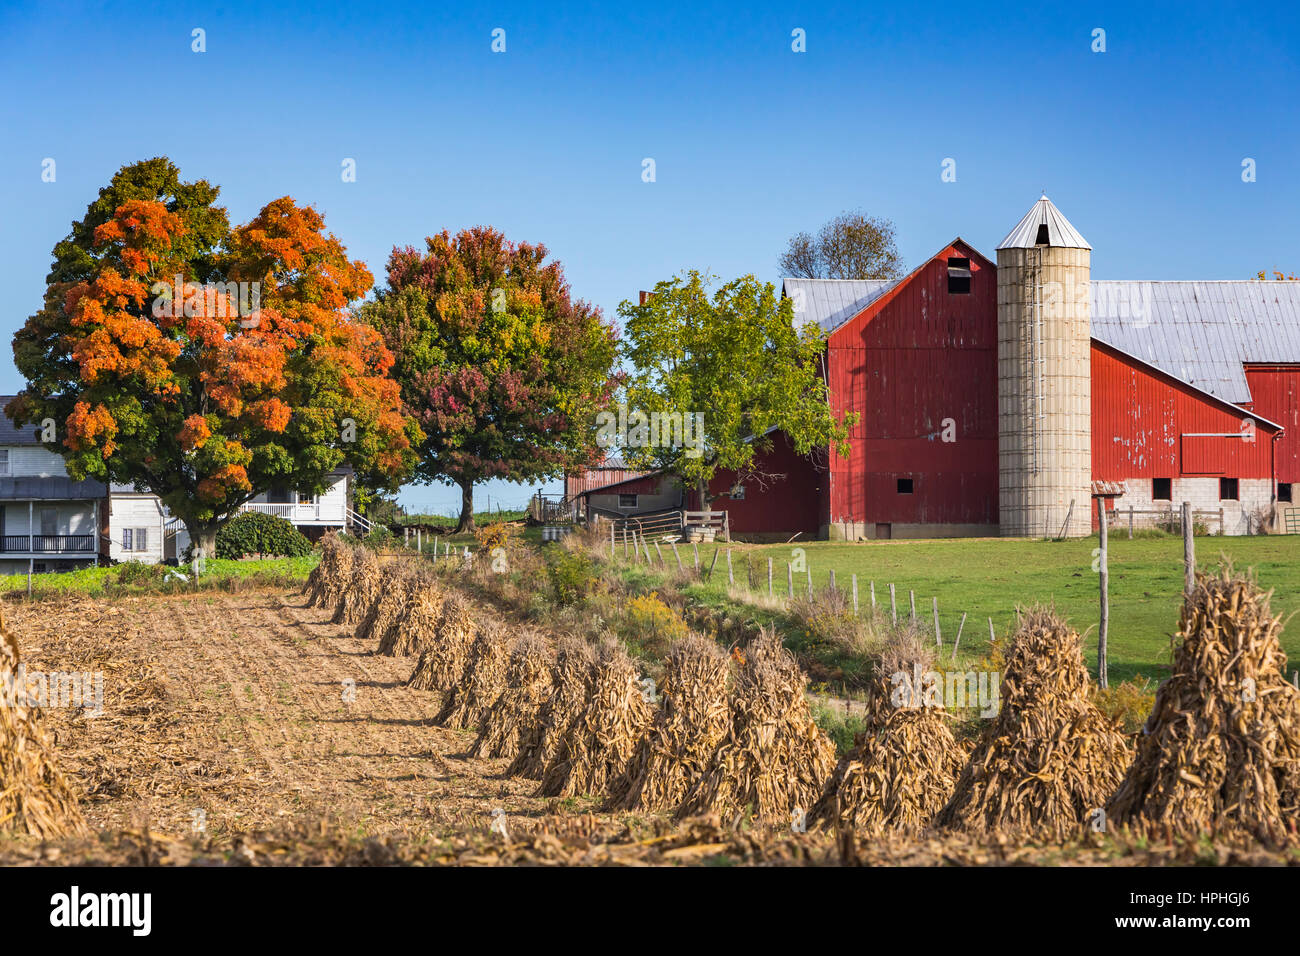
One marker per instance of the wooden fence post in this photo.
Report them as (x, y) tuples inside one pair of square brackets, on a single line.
[(1104, 582), (1130, 522), (832, 584), (1189, 550), (611, 540), (938, 638), (912, 597), (855, 595), (893, 603), (731, 577), (992, 637), (696, 546), (789, 578), (769, 577), (712, 564), (873, 595), (659, 551), (957, 643), (808, 565), (677, 554)]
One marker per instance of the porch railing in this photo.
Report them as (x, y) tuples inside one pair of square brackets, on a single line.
[(48, 543)]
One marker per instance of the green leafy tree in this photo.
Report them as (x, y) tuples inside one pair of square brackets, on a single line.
[(733, 360), (501, 367)]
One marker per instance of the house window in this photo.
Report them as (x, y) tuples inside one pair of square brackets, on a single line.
[(958, 275), (4, 461), (738, 493), (49, 522), (141, 539), (1228, 489), (126, 539), (627, 501), (1162, 489), (904, 486), (1284, 491)]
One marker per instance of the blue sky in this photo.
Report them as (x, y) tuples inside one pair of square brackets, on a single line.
[(1140, 146)]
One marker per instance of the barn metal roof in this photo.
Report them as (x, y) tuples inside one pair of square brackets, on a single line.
[(832, 302), (1059, 230), (1201, 332)]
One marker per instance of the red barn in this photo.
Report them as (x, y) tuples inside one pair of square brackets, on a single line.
[(995, 398)]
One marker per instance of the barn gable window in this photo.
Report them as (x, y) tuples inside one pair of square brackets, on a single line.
[(1162, 489), (958, 275), (1228, 489), (627, 501)]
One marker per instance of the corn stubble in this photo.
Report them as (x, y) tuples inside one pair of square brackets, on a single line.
[(691, 722), (1050, 758), (35, 797), (775, 759), (1220, 751), (601, 741)]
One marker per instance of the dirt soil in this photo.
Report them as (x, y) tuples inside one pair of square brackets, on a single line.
[(230, 709)]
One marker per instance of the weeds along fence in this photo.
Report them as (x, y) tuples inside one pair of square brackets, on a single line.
[(768, 585)]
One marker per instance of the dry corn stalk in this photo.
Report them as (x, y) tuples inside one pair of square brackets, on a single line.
[(35, 797), (443, 659), (1221, 749), (900, 773), (362, 588), (601, 741), (517, 712), (1045, 766), (387, 607), (775, 759), (692, 720), (571, 682), (470, 699), (416, 626), (325, 569)]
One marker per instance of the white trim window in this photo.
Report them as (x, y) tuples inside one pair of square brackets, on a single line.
[(127, 534), (4, 461)]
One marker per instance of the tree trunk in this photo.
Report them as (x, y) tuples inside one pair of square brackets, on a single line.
[(202, 535), (466, 523), (702, 488)]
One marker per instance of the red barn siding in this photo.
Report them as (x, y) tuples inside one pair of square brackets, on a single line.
[(785, 505), (1275, 394), (913, 358), (1140, 418)]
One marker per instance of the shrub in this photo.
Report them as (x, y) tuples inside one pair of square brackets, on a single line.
[(651, 617), (572, 575), (255, 533), (494, 535), (1129, 702)]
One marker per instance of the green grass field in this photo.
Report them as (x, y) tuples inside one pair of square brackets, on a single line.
[(990, 577)]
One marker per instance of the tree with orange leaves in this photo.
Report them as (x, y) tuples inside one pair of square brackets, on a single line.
[(204, 364)]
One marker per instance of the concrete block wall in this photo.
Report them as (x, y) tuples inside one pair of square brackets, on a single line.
[(1203, 493)]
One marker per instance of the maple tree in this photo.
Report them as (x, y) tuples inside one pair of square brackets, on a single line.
[(731, 357), (504, 371), (160, 372)]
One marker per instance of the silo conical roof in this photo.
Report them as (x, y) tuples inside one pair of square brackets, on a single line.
[(1060, 233)]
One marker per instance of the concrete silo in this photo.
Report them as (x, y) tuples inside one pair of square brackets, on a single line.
[(1044, 378)]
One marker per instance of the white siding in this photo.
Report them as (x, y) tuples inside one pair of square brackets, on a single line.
[(33, 461), (135, 512)]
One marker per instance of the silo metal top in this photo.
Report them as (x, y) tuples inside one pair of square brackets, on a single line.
[(1044, 220)]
